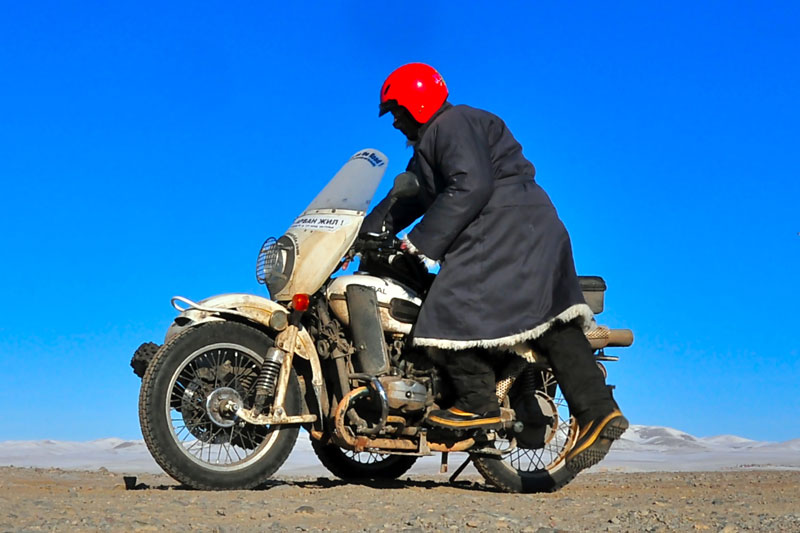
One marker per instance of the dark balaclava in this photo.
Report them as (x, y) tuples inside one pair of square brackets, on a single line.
[(404, 122)]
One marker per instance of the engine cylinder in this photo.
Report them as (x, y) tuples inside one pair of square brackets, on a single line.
[(405, 395)]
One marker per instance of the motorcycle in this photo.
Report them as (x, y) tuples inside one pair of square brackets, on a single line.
[(223, 399)]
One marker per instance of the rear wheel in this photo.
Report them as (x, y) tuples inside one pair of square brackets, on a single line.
[(537, 463), (182, 409), (350, 465)]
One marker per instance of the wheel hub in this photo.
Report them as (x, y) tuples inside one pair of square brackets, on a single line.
[(221, 406)]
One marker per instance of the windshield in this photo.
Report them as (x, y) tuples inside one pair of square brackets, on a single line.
[(313, 246), (353, 187)]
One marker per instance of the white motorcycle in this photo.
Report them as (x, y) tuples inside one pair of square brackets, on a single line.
[(223, 399)]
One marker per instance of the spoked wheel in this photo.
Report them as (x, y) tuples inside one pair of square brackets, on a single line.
[(547, 434), (187, 407), (350, 465)]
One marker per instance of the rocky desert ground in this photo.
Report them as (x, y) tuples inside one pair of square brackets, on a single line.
[(51, 499)]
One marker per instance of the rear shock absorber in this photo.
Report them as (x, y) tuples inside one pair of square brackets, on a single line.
[(529, 379), (267, 378)]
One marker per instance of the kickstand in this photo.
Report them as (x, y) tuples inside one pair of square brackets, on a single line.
[(460, 469)]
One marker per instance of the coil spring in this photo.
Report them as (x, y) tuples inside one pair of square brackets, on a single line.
[(530, 381), (267, 376), (265, 384)]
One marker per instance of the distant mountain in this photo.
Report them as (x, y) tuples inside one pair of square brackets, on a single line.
[(641, 448), (112, 453), (650, 438), (732, 441), (655, 438), (655, 448)]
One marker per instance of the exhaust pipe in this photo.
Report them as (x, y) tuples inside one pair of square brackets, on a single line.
[(603, 337)]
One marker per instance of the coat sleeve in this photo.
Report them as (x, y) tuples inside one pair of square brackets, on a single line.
[(397, 217), (461, 157)]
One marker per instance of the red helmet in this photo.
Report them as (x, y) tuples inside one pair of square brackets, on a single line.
[(417, 87)]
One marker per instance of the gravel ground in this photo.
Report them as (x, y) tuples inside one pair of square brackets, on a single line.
[(35, 499)]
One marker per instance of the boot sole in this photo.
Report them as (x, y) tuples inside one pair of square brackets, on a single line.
[(596, 450), (488, 423)]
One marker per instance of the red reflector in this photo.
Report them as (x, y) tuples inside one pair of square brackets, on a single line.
[(300, 302)]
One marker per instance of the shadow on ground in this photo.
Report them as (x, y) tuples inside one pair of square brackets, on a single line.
[(327, 483)]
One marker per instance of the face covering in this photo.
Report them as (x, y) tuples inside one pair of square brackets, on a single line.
[(404, 122)]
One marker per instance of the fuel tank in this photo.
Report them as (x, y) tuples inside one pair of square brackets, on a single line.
[(398, 305)]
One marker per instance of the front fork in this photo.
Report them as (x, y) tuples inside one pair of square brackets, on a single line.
[(284, 351)]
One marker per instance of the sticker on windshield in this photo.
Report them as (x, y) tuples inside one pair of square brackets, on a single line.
[(329, 223), (371, 157)]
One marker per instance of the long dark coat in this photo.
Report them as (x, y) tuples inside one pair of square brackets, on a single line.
[(507, 271)]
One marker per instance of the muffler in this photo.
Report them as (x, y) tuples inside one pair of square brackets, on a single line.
[(603, 337)]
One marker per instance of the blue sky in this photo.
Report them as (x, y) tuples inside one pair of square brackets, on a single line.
[(147, 149)]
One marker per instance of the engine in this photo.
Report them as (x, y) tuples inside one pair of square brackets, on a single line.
[(407, 376)]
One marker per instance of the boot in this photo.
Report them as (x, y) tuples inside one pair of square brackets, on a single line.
[(594, 440), (476, 404)]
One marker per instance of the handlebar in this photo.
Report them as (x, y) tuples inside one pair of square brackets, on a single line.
[(377, 242), (383, 255)]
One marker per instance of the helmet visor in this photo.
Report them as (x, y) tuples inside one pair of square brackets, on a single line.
[(386, 107)]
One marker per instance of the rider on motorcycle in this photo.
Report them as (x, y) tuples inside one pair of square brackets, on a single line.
[(507, 275)]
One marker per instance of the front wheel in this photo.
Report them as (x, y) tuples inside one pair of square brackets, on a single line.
[(187, 433), (537, 463)]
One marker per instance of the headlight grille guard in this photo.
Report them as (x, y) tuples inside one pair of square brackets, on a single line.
[(275, 263), (267, 255)]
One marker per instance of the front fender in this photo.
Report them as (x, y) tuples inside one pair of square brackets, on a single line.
[(259, 311), (250, 307)]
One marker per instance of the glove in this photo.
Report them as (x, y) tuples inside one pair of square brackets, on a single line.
[(407, 246)]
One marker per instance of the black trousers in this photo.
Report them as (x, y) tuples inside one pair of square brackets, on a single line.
[(574, 366), (472, 375), (571, 358)]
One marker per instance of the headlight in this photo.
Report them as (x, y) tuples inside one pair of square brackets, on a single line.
[(275, 263)]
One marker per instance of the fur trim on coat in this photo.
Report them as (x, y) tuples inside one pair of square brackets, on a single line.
[(515, 343)]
